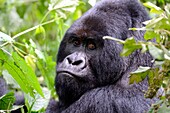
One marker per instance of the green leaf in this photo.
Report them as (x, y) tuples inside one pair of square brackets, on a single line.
[(18, 75), (152, 23), (39, 102), (22, 73), (92, 2), (154, 9), (9, 79), (141, 69), (28, 72), (158, 63), (163, 109), (156, 52), (32, 43), (139, 75), (30, 60), (40, 30), (6, 101), (144, 48), (151, 34), (62, 6), (130, 46), (164, 23), (5, 37), (47, 70), (40, 54)]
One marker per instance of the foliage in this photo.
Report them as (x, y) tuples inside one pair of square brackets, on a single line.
[(157, 31), (160, 3), (6, 101), (30, 33)]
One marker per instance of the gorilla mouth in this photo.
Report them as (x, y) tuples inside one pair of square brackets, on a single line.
[(69, 73)]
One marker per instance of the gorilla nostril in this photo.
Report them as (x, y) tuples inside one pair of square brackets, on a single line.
[(77, 62), (69, 60)]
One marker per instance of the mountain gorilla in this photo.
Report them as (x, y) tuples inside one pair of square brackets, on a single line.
[(92, 77)]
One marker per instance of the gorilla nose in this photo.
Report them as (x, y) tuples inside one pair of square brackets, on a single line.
[(76, 60)]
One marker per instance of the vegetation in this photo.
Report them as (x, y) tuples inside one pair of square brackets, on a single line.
[(158, 30), (30, 33)]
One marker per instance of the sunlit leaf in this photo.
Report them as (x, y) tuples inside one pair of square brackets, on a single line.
[(151, 34), (139, 75), (5, 37), (39, 102), (156, 52), (28, 72), (164, 109), (30, 60), (130, 46), (62, 6), (6, 101), (141, 69), (152, 23), (40, 54), (92, 2), (32, 43), (22, 73), (40, 30), (9, 79), (154, 9)]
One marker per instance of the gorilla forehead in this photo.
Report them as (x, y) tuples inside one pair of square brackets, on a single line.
[(88, 26), (97, 21)]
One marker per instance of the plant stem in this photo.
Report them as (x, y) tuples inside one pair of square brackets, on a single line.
[(33, 28), (45, 17)]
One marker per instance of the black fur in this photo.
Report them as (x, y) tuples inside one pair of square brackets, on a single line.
[(102, 85), (3, 87)]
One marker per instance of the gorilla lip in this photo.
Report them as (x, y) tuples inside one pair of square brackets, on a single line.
[(70, 73), (67, 72)]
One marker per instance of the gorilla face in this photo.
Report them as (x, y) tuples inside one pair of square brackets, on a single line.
[(74, 73), (85, 60)]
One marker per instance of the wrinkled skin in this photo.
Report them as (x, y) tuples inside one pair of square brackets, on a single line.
[(92, 77)]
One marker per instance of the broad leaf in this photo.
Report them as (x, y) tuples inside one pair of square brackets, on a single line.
[(22, 73), (154, 9), (156, 52), (130, 46), (139, 75), (39, 102), (5, 37), (28, 72), (6, 101)]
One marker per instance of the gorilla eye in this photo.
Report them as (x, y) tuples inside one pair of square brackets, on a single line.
[(91, 45), (76, 42)]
